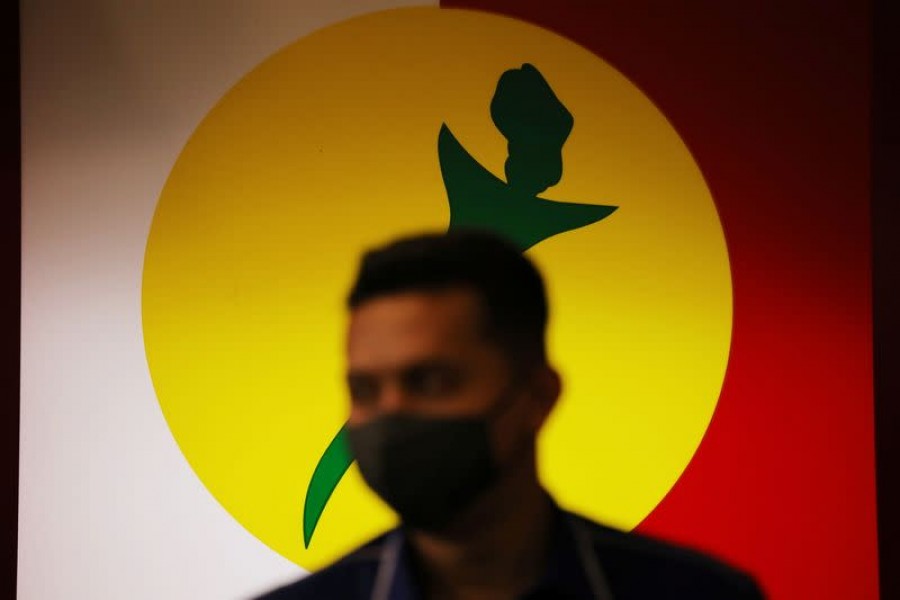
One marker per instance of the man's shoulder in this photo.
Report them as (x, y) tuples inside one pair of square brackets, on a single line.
[(648, 567), (349, 577)]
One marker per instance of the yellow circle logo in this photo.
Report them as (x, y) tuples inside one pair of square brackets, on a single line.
[(410, 120)]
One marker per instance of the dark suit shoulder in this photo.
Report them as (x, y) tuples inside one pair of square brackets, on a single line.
[(642, 567), (350, 577)]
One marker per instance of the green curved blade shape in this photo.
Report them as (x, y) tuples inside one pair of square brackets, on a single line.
[(479, 200), (329, 471)]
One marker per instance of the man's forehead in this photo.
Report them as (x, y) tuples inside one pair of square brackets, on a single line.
[(390, 326)]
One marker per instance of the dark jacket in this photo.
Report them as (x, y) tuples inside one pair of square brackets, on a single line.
[(587, 561)]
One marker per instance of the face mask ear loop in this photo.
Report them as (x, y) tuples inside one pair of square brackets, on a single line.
[(507, 401)]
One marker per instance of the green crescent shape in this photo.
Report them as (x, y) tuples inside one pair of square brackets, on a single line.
[(329, 471)]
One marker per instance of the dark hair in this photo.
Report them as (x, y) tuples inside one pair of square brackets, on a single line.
[(508, 284)]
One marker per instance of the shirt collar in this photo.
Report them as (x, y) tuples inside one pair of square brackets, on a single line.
[(564, 575)]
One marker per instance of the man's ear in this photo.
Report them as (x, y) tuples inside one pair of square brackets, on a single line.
[(546, 388)]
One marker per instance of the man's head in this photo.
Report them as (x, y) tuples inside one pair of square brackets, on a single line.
[(446, 340), (508, 288)]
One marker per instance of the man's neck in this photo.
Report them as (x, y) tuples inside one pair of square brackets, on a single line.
[(497, 551)]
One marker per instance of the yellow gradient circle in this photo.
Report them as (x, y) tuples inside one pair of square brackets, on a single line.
[(330, 147)]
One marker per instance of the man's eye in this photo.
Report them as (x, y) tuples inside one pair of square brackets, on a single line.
[(431, 381), (362, 390)]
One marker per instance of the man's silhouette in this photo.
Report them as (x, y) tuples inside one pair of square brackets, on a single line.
[(449, 385)]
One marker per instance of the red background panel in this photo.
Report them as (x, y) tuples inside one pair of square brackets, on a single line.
[(772, 99)]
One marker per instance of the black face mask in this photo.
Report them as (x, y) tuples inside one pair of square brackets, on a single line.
[(428, 469)]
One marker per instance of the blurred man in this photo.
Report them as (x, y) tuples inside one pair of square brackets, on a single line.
[(449, 386)]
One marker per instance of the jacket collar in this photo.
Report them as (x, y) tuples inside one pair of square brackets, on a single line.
[(565, 574)]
